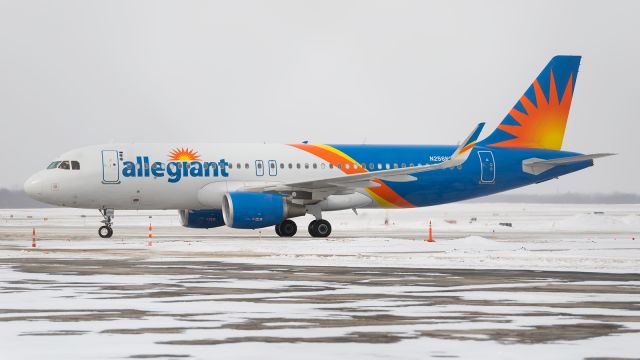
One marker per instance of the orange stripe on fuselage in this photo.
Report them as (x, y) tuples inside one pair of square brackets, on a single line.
[(384, 195)]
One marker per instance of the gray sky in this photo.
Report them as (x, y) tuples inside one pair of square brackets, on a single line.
[(75, 73)]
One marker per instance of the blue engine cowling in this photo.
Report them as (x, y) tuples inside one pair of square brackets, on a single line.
[(249, 210), (201, 219)]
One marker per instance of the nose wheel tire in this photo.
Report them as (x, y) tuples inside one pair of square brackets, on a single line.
[(287, 228), (105, 232), (320, 228)]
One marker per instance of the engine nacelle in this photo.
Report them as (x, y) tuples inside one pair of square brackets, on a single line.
[(201, 219), (249, 210)]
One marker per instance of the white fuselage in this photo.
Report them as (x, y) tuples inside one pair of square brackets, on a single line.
[(155, 180)]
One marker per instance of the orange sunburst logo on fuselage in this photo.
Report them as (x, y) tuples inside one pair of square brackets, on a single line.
[(183, 154), (543, 124)]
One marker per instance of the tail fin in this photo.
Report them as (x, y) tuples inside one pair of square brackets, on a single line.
[(539, 118)]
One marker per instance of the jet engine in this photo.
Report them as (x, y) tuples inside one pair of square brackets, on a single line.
[(201, 219), (249, 210)]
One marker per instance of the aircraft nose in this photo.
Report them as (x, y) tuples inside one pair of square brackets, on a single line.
[(33, 186)]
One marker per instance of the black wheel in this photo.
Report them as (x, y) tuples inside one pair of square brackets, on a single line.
[(288, 228), (322, 228), (312, 228), (319, 228), (105, 232), (277, 228)]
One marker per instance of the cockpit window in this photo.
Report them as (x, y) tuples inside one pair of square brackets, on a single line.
[(53, 165), (75, 165), (64, 165)]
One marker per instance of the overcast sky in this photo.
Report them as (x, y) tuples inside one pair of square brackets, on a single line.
[(76, 73)]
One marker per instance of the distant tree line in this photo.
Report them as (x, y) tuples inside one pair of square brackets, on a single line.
[(566, 198)]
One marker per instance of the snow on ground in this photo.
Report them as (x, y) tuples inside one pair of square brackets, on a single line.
[(541, 237), (375, 288)]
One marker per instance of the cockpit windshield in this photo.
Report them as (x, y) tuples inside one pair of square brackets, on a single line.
[(65, 165)]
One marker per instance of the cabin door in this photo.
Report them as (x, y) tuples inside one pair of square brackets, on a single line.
[(110, 167)]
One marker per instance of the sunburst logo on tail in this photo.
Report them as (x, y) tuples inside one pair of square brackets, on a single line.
[(540, 125), (183, 154)]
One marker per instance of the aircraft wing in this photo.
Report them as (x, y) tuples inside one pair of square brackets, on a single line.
[(368, 179)]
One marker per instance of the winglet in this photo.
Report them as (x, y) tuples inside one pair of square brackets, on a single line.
[(462, 152)]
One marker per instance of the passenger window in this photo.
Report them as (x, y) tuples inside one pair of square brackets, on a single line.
[(315, 166), (322, 165), (64, 165), (246, 165), (298, 165), (364, 166), (330, 166), (379, 166), (306, 165), (272, 164), (339, 166), (404, 165), (411, 165), (53, 165), (281, 165), (395, 165), (290, 166), (238, 166), (346, 166), (259, 165), (371, 166), (388, 166), (75, 165), (230, 166)]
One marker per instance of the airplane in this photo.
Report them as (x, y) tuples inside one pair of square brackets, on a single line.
[(251, 186)]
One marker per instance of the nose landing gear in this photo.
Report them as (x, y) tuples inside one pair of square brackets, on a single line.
[(106, 231)]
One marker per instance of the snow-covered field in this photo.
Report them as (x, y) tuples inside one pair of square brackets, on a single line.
[(562, 282), (604, 238)]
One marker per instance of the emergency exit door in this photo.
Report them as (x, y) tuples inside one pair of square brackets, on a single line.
[(487, 167)]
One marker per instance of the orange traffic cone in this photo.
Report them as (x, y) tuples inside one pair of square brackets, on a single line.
[(150, 240), (430, 239)]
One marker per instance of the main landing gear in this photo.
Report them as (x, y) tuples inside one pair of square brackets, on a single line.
[(317, 228), (287, 228), (106, 231)]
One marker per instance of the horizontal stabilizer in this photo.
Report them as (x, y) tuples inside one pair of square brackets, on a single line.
[(537, 166)]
